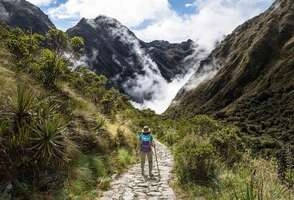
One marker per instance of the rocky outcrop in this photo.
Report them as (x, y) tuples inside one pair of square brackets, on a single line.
[(254, 83), (113, 50), (20, 13)]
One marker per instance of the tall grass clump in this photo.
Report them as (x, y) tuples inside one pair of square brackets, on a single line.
[(195, 161), (124, 158)]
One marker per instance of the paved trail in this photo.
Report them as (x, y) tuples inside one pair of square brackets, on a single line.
[(131, 185)]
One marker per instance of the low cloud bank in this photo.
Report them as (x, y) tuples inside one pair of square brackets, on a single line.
[(211, 21)]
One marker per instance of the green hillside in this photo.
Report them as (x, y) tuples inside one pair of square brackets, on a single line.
[(61, 131), (64, 132)]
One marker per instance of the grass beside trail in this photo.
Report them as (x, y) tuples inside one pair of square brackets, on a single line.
[(213, 161)]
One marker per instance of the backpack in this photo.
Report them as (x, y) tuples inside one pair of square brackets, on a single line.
[(146, 141)]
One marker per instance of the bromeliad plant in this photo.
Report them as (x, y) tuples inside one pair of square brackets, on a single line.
[(19, 112), (33, 135), (48, 141)]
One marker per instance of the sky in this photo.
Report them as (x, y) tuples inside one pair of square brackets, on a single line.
[(204, 21)]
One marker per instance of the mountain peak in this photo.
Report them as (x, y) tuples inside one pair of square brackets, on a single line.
[(115, 51), (23, 14)]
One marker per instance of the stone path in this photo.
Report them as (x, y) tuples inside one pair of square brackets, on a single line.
[(131, 185)]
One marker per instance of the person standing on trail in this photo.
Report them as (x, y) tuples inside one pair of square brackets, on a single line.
[(146, 143)]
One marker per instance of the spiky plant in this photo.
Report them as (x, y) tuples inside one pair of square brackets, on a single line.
[(19, 110), (48, 107), (48, 143), (100, 123), (52, 67)]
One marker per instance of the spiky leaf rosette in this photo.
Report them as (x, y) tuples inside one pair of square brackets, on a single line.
[(49, 141)]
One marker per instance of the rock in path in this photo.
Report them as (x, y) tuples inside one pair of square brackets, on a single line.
[(131, 185)]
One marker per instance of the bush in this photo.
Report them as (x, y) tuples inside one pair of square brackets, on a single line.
[(120, 139), (52, 67), (170, 136), (194, 161), (124, 158), (227, 144), (97, 165), (204, 125), (84, 181)]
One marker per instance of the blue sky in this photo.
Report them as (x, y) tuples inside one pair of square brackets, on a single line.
[(204, 21)]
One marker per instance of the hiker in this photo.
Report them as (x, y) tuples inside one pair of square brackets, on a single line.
[(146, 143)]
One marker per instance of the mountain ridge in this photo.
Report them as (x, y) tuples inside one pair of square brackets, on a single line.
[(23, 14), (254, 84), (115, 51)]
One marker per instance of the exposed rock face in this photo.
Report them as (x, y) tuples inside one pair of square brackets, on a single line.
[(254, 86), (113, 50), (170, 58), (20, 13)]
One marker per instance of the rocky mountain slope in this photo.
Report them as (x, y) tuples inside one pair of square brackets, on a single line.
[(254, 86), (113, 50), (20, 13)]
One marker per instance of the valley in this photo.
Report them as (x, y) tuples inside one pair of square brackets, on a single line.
[(73, 104)]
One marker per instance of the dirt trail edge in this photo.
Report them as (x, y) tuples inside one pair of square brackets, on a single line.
[(131, 185)]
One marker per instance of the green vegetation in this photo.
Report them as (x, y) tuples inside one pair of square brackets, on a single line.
[(64, 132), (213, 161), (59, 125)]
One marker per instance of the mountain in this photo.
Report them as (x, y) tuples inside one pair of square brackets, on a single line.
[(113, 50), (254, 82), (20, 13)]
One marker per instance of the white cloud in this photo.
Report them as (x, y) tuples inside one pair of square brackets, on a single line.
[(188, 5), (41, 2), (213, 20), (129, 12)]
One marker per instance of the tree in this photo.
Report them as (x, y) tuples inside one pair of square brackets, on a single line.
[(77, 45), (24, 47), (57, 40), (52, 67)]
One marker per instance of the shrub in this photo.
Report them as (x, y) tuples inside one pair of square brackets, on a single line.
[(84, 181), (120, 139), (97, 165), (170, 136), (57, 40), (204, 125), (77, 44), (124, 158), (194, 160), (52, 67), (227, 144)]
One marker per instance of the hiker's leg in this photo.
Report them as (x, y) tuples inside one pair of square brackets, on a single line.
[(143, 155), (150, 163)]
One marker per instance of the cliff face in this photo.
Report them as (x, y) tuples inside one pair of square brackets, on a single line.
[(113, 50), (254, 83), (20, 13)]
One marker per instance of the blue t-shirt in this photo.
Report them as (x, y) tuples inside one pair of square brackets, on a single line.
[(146, 141)]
